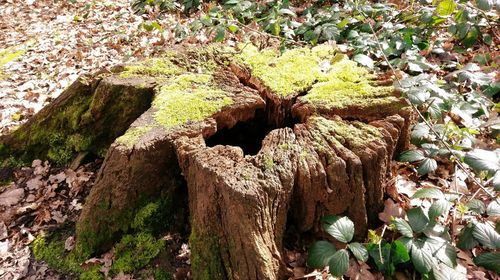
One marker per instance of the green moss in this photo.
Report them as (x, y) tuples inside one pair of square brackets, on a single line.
[(160, 274), (135, 251), (132, 136), (153, 67), (268, 162), (92, 274), (293, 72), (352, 135), (206, 261), (188, 97), (54, 254), (7, 56)]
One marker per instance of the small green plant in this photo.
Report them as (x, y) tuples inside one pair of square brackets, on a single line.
[(323, 253)]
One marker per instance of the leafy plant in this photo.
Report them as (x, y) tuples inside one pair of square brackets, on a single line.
[(323, 253)]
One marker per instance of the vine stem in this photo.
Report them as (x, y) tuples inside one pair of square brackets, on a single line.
[(427, 123)]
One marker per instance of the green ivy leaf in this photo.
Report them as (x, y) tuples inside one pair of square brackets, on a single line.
[(430, 193), (320, 253), (411, 156), (477, 206), (339, 227), (220, 33), (399, 252), (442, 250), (486, 235), (444, 272), (438, 208), (422, 259), (363, 60), (427, 165), (403, 227), (489, 261), (484, 5), (359, 251), (496, 180), (339, 263), (418, 219), (493, 208), (466, 240), (446, 8), (482, 160)]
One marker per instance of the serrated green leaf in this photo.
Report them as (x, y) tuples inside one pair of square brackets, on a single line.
[(446, 7), (363, 60), (476, 206), (399, 252), (427, 165), (428, 193), (320, 253), (493, 208), (484, 5), (438, 208), (339, 263), (496, 179), (341, 228), (482, 160), (220, 33), (359, 251), (403, 227), (444, 272), (406, 241), (411, 156), (466, 240), (418, 219), (486, 235), (422, 259), (489, 261), (442, 250)]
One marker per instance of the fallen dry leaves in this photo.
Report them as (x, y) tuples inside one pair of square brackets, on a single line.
[(40, 198)]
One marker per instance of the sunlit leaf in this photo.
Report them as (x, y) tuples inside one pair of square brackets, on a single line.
[(489, 261), (339, 227), (320, 253), (339, 263)]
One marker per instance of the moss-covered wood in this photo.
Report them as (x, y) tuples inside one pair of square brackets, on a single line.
[(329, 132)]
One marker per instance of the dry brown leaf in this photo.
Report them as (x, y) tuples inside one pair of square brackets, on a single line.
[(391, 210), (405, 186), (11, 197), (69, 244)]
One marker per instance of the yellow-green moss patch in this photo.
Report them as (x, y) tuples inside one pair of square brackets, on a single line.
[(152, 67), (293, 72), (7, 56), (188, 97), (133, 135), (352, 135)]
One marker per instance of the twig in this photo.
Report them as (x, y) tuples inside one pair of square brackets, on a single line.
[(431, 128), (380, 244)]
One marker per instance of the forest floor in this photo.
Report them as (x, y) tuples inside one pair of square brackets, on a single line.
[(45, 46)]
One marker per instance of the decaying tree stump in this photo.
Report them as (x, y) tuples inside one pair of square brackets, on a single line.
[(260, 140)]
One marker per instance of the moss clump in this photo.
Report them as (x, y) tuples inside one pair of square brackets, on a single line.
[(135, 251), (7, 56), (293, 72), (188, 97), (92, 274), (133, 135), (153, 67), (54, 254), (352, 135)]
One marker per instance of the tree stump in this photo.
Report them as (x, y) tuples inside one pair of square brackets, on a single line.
[(259, 140)]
